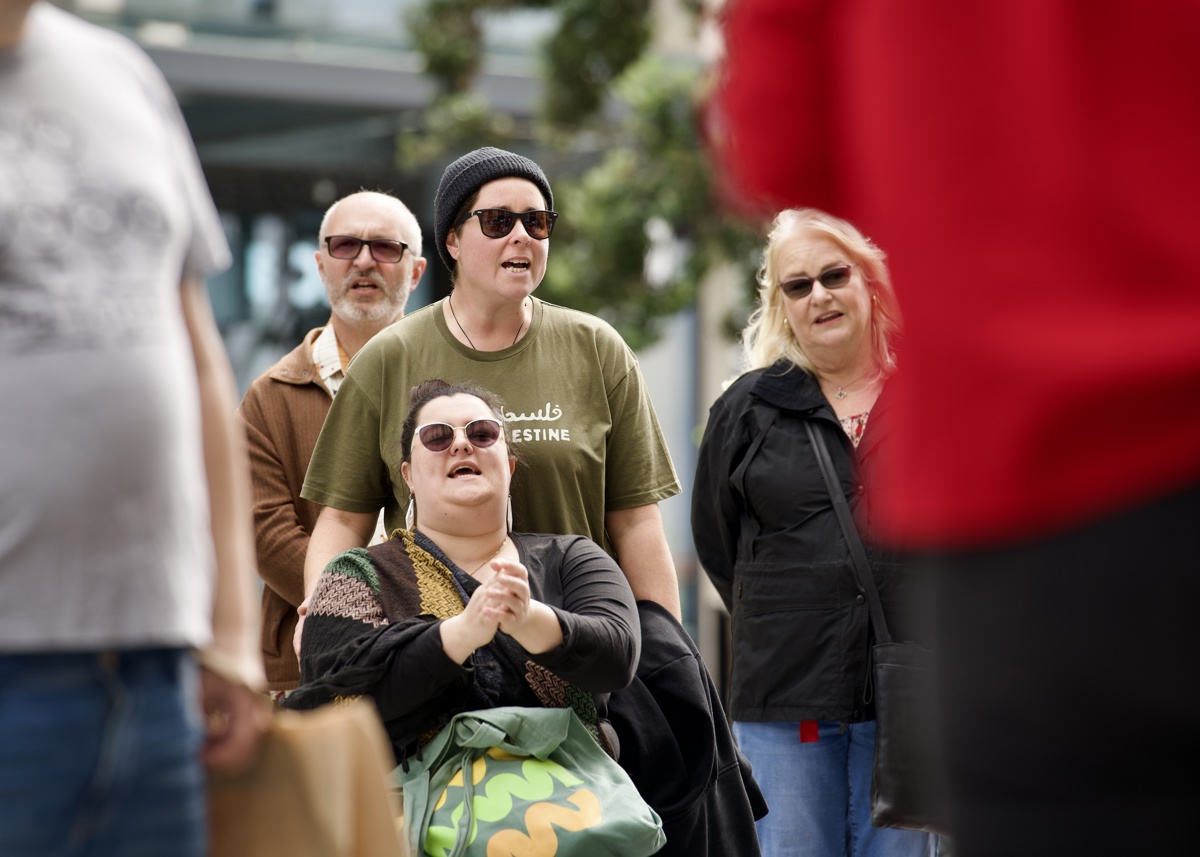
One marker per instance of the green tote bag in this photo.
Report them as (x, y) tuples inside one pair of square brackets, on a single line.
[(519, 782)]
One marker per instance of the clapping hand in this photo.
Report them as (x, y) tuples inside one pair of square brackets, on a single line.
[(508, 601), (502, 603), (506, 596), (470, 629)]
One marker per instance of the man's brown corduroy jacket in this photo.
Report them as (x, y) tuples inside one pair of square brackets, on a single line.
[(283, 410)]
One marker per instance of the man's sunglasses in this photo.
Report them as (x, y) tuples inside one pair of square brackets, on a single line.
[(498, 222), (437, 437), (348, 247), (801, 287)]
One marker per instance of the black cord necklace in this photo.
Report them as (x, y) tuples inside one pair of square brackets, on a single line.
[(454, 315)]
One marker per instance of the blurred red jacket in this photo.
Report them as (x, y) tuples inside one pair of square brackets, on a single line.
[(1032, 168)]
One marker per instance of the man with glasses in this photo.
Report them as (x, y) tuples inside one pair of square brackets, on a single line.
[(369, 258)]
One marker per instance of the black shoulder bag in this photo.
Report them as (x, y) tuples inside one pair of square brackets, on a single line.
[(907, 784)]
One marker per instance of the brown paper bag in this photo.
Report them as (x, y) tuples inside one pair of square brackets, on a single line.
[(320, 788)]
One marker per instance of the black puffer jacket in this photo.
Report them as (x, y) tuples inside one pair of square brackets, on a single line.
[(768, 537)]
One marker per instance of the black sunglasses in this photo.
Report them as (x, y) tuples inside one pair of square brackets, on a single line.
[(498, 222), (348, 247), (437, 437), (801, 287)]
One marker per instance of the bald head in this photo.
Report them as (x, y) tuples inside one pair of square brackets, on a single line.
[(388, 207), (368, 294)]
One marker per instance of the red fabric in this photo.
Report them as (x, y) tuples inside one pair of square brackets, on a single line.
[(808, 731), (1032, 168)]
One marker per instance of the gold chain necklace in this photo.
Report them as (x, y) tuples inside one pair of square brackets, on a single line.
[(495, 554)]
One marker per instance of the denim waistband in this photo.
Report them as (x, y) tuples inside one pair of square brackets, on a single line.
[(124, 662)]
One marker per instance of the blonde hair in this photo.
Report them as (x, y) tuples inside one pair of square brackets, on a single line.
[(768, 337)]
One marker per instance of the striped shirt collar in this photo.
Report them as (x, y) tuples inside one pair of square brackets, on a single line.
[(328, 356)]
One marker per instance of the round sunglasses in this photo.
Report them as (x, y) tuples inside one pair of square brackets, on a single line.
[(437, 437), (498, 222), (802, 287), (382, 249)]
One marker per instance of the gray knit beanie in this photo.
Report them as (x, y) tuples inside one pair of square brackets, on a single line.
[(467, 175)]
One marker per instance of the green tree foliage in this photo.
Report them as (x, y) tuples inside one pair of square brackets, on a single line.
[(657, 178), (448, 35), (596, 40)]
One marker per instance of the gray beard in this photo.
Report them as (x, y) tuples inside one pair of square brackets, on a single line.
[(381, 311)]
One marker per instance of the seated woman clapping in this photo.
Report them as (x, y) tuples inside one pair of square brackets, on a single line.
[(454, 612)]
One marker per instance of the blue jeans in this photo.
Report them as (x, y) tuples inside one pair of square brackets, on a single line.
[(99, 755), (819, 793)]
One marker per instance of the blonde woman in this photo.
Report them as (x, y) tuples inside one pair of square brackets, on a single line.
[(819, 351)]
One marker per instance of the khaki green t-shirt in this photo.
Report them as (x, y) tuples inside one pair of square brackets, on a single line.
[(576, 408)]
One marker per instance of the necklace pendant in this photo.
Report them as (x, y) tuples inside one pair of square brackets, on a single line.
[(841, 394)]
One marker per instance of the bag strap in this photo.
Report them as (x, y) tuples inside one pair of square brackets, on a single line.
[(465, 831), (862, 566)]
